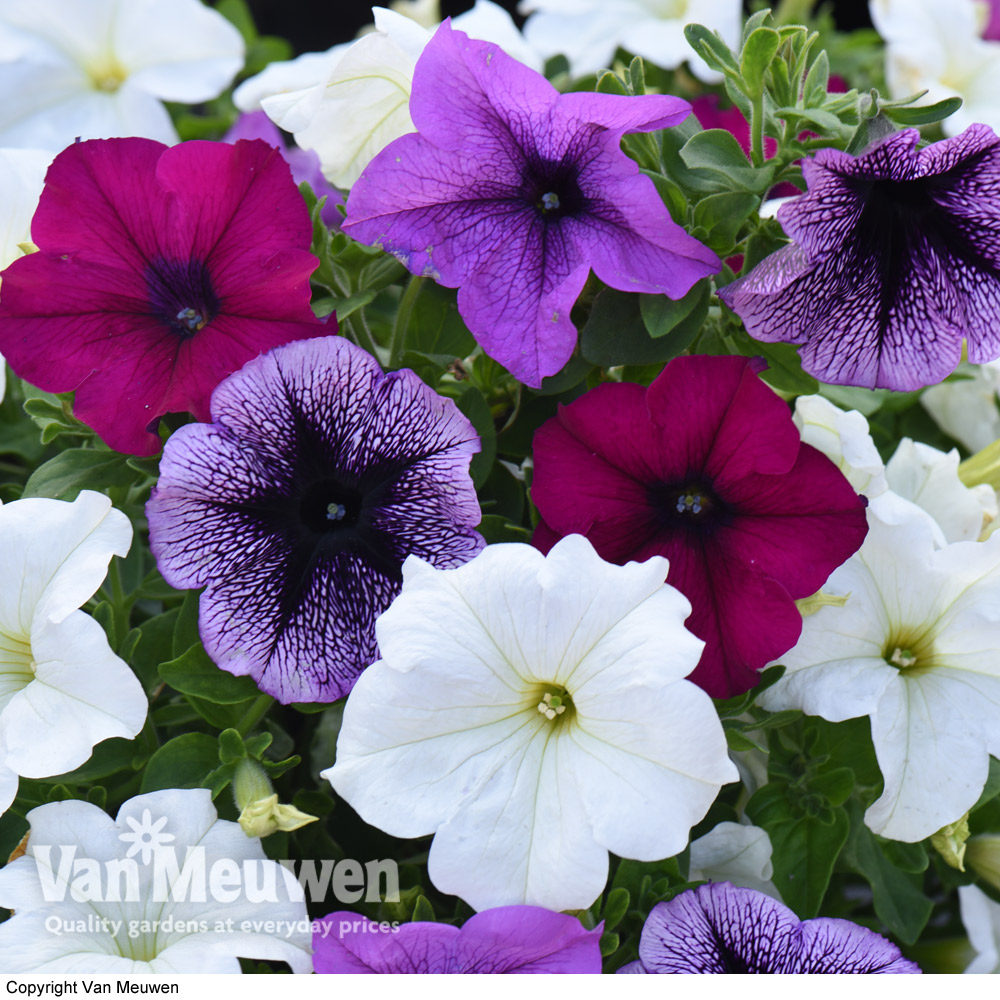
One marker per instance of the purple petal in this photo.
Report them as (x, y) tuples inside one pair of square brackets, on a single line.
[(350, 944)]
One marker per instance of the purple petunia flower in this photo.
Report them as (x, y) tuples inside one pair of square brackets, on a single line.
[(296, 508), (512, 192), (719, 928), (509, 939), (706, 468), (895, 259), (161, 270)]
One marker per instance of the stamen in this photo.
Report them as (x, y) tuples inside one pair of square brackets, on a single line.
[(690, 503), (335, 512), (549, 202), (192, 319), (902, 658), (551, 705)]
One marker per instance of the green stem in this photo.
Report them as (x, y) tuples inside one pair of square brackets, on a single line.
[(405, 311), (357, 330), (254, 714), (757, 131), (120, 604)]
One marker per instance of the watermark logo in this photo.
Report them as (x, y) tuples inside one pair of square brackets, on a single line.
[(154, 870)]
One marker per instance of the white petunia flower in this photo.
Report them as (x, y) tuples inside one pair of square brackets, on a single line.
[(736, 853), (22, 175), (966, 409), (981, 918), (100, 68), (531, 712), (196, 902), (588, 32), (360, 103), (914, 648), (938, 47), (62, 689), (917, 475)]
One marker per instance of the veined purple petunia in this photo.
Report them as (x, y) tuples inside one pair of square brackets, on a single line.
[(895, 259), (296, 508), (508, 939), (512, 192), (706, 468), (719, 928), (160, 271)]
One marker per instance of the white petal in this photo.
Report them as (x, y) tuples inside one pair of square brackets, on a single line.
[(929, 478), (981, 918), (587, 39), (524, 838), (81, 694), (844, 438), (22, 174), (930, 749), (967, 409), (734, 852), (55, 555), (309, 70), (177, 50)]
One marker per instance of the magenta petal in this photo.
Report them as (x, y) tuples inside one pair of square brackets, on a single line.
[(160, 271)]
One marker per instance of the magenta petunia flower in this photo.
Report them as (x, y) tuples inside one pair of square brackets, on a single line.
[(509, 939), (512, 192), (297, 506), (706, 468), (160, 271), (720, 928), (895, 260)]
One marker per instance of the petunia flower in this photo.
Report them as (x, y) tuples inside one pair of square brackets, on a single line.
[(704, 467), (917, 477), (914, 649), (101, 68), (509, 939), (62, 689), (719, 929), (940, 48), (531, 711), (22, 173), (894, 262), (297, 505), (203, 895), (160, 271), (734, 852), (357, 99), (588, 32), (981, 919), (512, 192)]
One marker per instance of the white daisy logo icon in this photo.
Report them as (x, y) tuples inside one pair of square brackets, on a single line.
[(146, 836)]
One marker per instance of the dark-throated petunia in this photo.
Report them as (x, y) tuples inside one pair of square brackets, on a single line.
[(296, 508), (706, 468)]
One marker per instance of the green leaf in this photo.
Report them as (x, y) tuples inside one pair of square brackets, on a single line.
[(784, 368), (109, 757), (423, 912), (716, 152), (184, 762), (194, 673), (435, 326), (722, 216), (758, 51), (737, 740), (238, 14), (835, 784), (899, 902), (927, 115), (610, 83), (495, 528), (710, 46), (817, 81), (76, 469), (661, 314), (616, 334), (231, 748), (473, 404), (616, 907), (609, 943), (804, 853)]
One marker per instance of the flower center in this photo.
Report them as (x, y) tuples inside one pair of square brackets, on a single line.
[(555, 704), (691, 505), (328, 505), (910, 650), (17, 666), (181, 295), (551, 188), (107, 74), (549, 202)]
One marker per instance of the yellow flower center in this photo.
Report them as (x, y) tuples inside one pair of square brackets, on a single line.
[(554, 703), (107, 74)]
